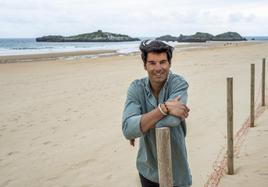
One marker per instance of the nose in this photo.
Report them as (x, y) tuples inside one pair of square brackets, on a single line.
[(158, 67)]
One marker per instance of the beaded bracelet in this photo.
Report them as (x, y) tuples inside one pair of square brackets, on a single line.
[(166, 107)]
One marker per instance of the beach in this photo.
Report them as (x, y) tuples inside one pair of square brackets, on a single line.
[(60, 119), (251, 165)]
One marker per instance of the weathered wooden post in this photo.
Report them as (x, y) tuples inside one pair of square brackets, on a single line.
[(252, 93), (263, 82), (164, 157), (230, 152)]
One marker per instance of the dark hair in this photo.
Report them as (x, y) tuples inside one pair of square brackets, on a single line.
[(156, 46)]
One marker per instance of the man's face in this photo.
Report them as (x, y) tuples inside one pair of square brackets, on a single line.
[(157, 66)]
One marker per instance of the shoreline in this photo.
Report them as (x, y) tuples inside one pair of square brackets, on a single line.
[(52, 56), (86, 54)]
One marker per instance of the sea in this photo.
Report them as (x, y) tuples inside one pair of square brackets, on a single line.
[(22, 46)]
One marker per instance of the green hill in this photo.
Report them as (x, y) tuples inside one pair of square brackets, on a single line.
[(98, 36)]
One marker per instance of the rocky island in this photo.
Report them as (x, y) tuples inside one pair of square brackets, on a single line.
[(203, 37), (98, 36)]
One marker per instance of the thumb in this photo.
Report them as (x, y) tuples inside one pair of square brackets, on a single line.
[(177, 98)]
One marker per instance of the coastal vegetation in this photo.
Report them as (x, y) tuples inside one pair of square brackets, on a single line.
[(203, 37), (100, 36), (97, 36)]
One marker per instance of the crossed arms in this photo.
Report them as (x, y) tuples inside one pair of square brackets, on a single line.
[(135, 124)]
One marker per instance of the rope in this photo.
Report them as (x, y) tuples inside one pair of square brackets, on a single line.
[(220, 163)]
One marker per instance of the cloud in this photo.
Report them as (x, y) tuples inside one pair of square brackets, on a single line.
[(136, 18), (239, 17)]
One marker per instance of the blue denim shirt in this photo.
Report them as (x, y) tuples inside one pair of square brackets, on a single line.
[(140, 100)]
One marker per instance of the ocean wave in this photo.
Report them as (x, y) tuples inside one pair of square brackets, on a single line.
[(30, 48)]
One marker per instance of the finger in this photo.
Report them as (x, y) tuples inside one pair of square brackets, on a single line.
[(168, 103), (177, 98), (188, 109), (186, 114), (184, 108), (132, 142)]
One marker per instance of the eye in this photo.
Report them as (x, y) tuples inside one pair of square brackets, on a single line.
[(163, 62), (151, 62)]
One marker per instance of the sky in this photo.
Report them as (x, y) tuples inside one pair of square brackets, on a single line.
[(136, 18)]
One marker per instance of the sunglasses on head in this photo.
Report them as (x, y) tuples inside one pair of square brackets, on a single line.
[(147, 42)]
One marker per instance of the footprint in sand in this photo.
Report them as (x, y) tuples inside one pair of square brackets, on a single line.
[(52, 178), (30, 125), (6, 183), (82, 163), (46, 143), (13, 153), (13, 130), (35, 138), (82, 137)]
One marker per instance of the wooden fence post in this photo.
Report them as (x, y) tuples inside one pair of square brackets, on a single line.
[(230, 153), (164, 157), (252, 93), (263, 82)]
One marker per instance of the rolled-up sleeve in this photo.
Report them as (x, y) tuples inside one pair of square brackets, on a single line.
[(179, 87), (132, 114)]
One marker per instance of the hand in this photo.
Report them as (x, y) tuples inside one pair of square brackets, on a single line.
[(132, 142), (177, 108)]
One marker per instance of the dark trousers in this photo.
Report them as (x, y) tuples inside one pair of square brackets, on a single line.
[(147, 183)]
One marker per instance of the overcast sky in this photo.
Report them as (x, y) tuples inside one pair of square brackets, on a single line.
[(32, 18)]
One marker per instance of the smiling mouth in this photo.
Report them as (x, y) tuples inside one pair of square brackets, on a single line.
[(158, 75)]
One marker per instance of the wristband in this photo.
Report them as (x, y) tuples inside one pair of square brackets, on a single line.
[(159, 107)]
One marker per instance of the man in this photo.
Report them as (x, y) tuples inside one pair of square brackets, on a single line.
[(156, 101)]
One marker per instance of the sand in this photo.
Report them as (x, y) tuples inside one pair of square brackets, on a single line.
[(60, 120), (53, 56), (251, 168)]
